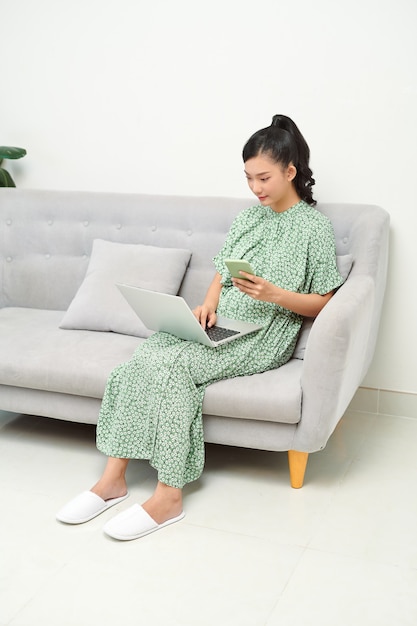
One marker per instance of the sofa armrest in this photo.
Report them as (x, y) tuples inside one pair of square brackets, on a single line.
[(338, 354)]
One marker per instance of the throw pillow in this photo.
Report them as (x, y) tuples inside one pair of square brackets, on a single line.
[(99, 305), (344, 265)]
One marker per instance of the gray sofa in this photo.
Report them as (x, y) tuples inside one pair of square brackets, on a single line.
[(46, 241)]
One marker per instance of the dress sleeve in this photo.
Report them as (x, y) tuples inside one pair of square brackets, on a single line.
[(322, 274), (228, 248)]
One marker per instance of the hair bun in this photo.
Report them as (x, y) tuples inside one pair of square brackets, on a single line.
[(283, 122)]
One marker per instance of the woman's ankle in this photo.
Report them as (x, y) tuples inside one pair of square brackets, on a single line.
[(112, 483), (109, 490), (164, 504)]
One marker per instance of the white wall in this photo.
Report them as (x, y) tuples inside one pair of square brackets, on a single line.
[(159, 96)]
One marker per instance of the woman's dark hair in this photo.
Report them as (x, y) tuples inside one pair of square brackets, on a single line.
[(284, 144)]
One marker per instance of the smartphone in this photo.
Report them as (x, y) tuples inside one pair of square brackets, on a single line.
[(235, 265)]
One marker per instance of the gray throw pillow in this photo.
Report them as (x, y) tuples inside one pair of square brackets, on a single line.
[(99, 305), (344, 265)]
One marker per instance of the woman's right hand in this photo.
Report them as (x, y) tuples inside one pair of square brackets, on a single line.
[(205, 315), (206, 312)]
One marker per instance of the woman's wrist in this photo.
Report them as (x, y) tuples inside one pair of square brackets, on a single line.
[(279, 295), (210, 306)]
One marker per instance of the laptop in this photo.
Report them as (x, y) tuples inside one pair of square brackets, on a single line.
[(171, 314)]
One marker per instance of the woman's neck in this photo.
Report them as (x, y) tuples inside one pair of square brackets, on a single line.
[(286, 203)]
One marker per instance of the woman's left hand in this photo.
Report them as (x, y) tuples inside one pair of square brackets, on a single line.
[(306, 304), (256, 287)]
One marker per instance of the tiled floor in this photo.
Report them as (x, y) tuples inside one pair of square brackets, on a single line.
[(251, 551)]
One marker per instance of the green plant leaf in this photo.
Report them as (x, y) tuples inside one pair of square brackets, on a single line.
[(8, 152), (5, 179)]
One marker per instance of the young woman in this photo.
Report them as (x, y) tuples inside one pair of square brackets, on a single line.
[(152, 406)]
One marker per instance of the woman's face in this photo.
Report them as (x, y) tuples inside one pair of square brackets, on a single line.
[(271, 183)]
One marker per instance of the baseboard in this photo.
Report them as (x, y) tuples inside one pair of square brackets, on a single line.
[(385, 402)]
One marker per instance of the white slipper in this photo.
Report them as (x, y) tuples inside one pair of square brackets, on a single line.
[(86, 506), (135, 522)]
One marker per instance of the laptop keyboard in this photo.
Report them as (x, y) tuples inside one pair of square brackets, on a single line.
[(217, 333)]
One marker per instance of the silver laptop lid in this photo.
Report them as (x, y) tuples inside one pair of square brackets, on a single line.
[(171, 314)]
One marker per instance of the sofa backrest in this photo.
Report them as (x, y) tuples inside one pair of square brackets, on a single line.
[(46, 237)]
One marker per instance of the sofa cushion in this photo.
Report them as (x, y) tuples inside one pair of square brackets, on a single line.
[(344, 265), (36, 354), (98, 304)]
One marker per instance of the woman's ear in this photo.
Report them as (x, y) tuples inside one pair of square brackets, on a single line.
[(291, 172)]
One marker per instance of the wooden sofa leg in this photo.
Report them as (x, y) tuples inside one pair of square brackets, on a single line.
[(297, 462)]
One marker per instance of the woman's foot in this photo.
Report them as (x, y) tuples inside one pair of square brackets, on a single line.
[(85, 507), (162, 509), (112, 484), (164, 504)]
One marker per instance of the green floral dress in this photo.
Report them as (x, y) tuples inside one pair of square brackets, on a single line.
[(152, 406)]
